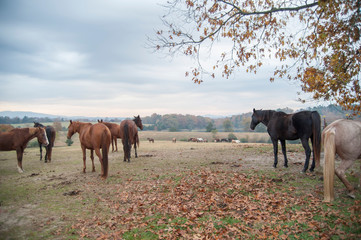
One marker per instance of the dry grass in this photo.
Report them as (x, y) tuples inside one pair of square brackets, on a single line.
[(50, 200)]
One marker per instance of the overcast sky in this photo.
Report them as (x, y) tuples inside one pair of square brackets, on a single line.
[(88, 58)]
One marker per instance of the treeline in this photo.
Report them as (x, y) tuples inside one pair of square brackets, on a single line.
[(175, 122), (17, 120), (179, 122)]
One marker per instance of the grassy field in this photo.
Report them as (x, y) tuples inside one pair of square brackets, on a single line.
[(177, 190)]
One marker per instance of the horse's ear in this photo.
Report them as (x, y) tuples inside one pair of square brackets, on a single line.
[(71, 121), (254, 110)]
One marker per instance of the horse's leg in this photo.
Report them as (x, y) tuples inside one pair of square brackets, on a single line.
[(313, 165), (116, 144), (46, 154), (112, 144), (92, 158), (41, 152), (135, 149), (125, 149), (84, 157), (50, 150), (97, 152), (283, 144), (19, 153), (307, 148), (275, 151), (340, 172)]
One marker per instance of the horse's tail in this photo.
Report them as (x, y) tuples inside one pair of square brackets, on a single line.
[(127, 144), (316, 132), (328, 139), (137, 139), (106, 138), (51, 134)]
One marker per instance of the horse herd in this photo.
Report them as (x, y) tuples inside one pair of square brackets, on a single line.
[(341, 138)]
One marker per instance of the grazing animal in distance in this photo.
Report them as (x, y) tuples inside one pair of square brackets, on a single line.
[(341, 137), (129, 135), (302, 125), (174, 140), (18, 138), (151, 140), (93, 137), (115, 131), (51, 134)]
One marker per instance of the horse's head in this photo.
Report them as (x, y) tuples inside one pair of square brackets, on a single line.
[(256, 118), (138, 122), (41, 135), (37, 124), (72, 128)]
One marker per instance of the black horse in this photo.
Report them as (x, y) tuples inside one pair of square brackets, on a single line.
[(281, 126), (50, 133)]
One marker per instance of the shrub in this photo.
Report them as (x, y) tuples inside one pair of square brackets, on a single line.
[(232, 136), (69, 142)]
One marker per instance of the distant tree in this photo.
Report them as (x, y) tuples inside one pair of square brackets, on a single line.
[(227, 125), (5, 127), (210, 127), (57, 126), (173, 129), (232, 136), (214, 133), (317, 42)]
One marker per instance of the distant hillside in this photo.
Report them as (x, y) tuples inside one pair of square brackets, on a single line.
[(20, 114), (15, 117)]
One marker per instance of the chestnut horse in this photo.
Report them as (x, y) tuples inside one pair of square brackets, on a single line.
[(129, 135), (302, 125), (342, 137), (50, 133), (115, 131), (18, 138), (93, 137)]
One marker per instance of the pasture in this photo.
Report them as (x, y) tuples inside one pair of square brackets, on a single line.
[(173, 190)]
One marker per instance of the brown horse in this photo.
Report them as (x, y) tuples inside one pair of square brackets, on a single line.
[(129, 135), (93, 137), (18, 138), (50, 133), (115, 131), (342, 137)]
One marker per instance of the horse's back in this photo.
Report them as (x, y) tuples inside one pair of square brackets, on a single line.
[(347, 138), (98, 134), (132, 127), (280, 126), (99, 129)]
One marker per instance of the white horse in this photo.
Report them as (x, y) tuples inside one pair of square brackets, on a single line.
[(342, 137)]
